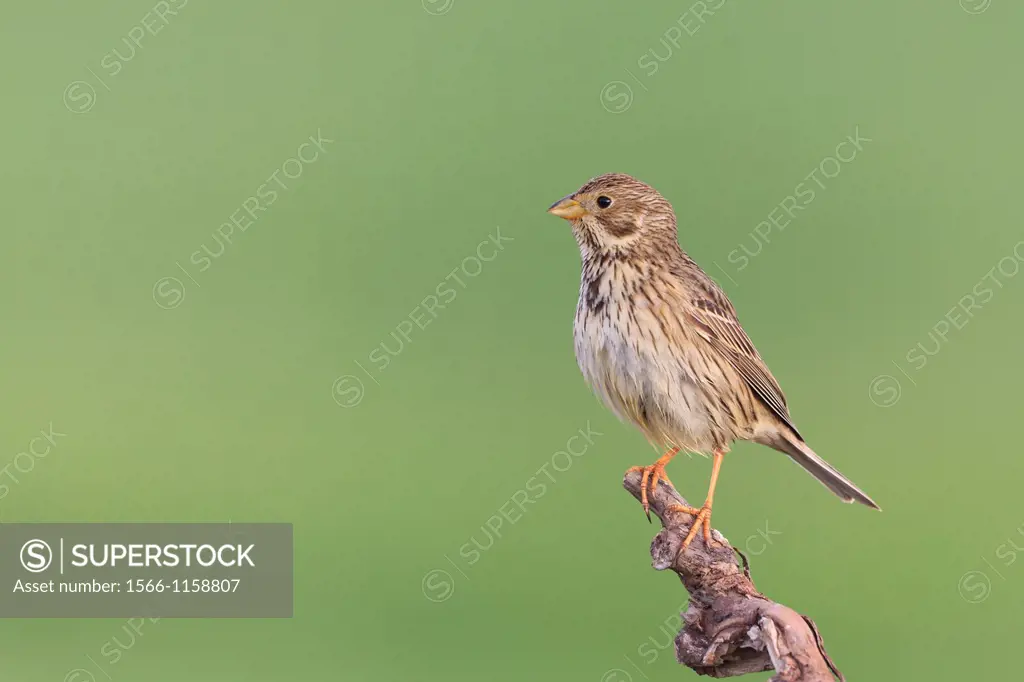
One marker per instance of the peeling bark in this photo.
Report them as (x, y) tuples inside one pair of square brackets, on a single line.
[(730, 628)]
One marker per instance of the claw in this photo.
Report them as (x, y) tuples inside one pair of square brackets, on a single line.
[(702, 520), (650, 477)]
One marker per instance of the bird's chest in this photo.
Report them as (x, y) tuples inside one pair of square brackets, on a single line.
[(638, 371)]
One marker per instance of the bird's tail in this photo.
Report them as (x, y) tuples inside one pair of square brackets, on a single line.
[(823, 471)]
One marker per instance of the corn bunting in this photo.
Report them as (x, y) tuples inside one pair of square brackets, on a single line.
[(661, 345)]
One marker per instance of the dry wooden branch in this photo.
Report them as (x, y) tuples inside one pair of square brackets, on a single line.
[(730, 628)]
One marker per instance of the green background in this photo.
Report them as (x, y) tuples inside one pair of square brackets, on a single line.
[(446, 127)]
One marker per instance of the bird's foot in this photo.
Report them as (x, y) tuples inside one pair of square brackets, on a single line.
[(702, 519), (651, 474)]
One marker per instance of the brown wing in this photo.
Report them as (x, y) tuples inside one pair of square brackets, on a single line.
[(716, 321)]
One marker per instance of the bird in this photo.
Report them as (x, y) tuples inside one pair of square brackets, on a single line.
[(660, 343)]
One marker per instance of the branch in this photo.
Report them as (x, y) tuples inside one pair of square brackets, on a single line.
[(730, 628)]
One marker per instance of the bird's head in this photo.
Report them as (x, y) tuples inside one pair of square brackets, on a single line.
[(617, 213)]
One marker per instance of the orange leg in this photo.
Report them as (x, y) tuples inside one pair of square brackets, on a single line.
[(703, 515), (654, 473)]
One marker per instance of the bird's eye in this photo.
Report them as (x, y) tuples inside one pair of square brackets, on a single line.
[(603, 201)]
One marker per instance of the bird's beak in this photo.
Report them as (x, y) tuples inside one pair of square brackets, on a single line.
[(567, 208)]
